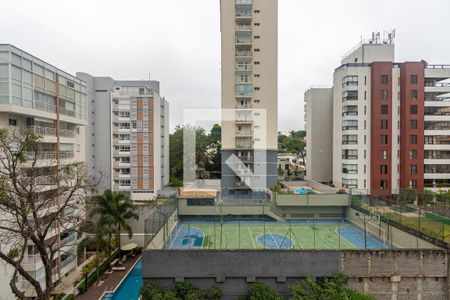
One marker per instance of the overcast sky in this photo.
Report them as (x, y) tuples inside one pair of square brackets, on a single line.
[(178, 41)]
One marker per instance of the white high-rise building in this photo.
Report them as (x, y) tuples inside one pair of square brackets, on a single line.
[(37, 96), (128, 135), (249, 31)]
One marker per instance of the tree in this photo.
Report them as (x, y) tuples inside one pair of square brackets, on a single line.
[(96, 231), (260, 291), (329, 289), (38, 195), (207, 152), (115, 209)]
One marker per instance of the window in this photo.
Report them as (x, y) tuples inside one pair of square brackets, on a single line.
[(384, 79), (413, 184), (350, 110), (384, 154), (257, 62), (384, 109), (257, 75), (414, 94), (384, 139), (350, 154), (413, 169), (413, 109), (413, 79), (350, 80), (257, 37), (257, 50), (384, 124), (383, 169), (257, 11), (350, 125), (383, 184), (257, 24), (349, 139), (349, 183), (257, 88), (412, 154), (413, 139), (385, 94), (12, 122), (349, 95), (349, 169), (413, 124)]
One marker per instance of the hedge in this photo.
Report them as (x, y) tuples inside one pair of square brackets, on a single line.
[(92, 277)]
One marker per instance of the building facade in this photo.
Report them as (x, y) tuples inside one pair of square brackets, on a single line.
[(249, 92), (37, 96), (128, 136), (319, 134), (391, 122)]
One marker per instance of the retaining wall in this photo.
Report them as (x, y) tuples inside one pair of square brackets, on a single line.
[(387, 274)]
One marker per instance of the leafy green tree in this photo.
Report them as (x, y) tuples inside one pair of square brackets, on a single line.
[(329, 289), (261, 291), (208, 146), (96, 233), (117, 209)]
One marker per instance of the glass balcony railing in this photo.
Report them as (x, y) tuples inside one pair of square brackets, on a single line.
[(243, 2)]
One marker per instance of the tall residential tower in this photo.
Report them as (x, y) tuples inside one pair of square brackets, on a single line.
[(128, 135), (249, 86)]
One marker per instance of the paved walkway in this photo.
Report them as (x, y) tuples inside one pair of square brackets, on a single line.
[(67, 284), (110, 283)]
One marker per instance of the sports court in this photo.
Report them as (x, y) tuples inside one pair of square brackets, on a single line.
[(198, 234)]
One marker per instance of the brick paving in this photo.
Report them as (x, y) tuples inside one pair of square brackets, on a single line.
[(110, 282)]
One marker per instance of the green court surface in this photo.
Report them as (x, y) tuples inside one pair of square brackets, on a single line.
[(272, 235)]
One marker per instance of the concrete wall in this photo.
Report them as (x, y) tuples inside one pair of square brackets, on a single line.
[(319, 134), (386, 274)]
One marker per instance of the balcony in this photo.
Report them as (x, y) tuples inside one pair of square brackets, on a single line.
[(244, 53), (243, 2), (69, 239), (49, 131), (243, 120), (244, 67), (243, 27), (244, 133), (40, 155)]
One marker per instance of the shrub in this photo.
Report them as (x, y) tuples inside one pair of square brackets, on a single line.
[(260, 291)]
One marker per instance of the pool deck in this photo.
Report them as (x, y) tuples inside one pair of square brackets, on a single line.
[(110, 282)]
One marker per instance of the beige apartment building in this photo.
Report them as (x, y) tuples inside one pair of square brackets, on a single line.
[(249, 30), (319, 134), (37, 96), (128, 135)]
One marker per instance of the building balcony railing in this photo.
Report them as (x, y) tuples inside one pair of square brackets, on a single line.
[(244, 145), (243, 94), (244, 133), (49, 131), (244, 68), (244, 106), (243, 27), (243, 2), (243, 40), (69, 239), (49, 155), (244, 53)]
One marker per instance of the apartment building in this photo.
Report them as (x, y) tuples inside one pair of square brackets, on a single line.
[(249, 89), (128, 135), (319, 134), (34, 95), (391, 122)]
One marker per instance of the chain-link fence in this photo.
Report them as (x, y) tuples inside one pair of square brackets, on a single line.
[(163, 215), (424, 214)]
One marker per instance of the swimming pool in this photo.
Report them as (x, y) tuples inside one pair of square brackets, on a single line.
[(303, 191), (130, 286)]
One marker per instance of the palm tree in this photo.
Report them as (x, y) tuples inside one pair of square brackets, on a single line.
[(118, 208)]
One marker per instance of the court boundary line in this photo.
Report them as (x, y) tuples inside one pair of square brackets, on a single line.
[(251, 235)]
